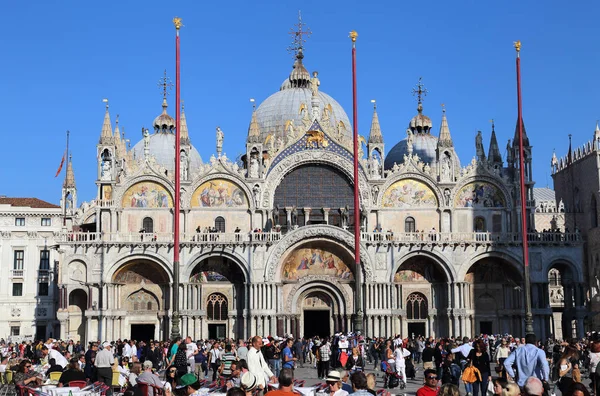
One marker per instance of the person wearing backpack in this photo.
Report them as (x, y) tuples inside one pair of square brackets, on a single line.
[(594, 359)]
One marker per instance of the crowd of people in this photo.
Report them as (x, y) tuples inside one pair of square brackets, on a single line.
[(346, 363)]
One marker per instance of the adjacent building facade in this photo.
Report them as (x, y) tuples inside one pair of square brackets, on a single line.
[(29, 230)]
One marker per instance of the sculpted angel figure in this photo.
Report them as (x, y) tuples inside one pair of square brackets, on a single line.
[(220, 136), (409, 141), (314, 84)]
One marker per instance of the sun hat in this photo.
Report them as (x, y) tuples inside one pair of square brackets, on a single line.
[(106, 344), (334, 376), (188, 379), (248, 381)]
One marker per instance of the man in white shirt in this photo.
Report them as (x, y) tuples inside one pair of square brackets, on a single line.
[(56, 355), (191, 352), (133, 351), (126, 349), (258, 366)]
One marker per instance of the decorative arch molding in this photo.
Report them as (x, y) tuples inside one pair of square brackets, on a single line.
[(125, 258), (118, 197), (514, 262), (75, 263), (310, 283), (447, 269), (499, 184), (563, 261), (307, 233), (233, 178), (312, 157), (232, 255), (396, 177)]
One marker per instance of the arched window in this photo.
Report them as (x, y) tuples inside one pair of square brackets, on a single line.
[(409, 224), (479, 224), (148, 225), (216, 307), (416, 306), (554, 278), (220, 224)]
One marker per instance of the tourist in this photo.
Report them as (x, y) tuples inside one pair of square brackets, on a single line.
[(258, 366), (227, 359), (191, 352), (242, 350), (273, 355), (399, 355), (170, 380), (136, 370), (371, 383), (449, 390), (323, 357), (188, 384), (214, 357), (533, 387), (104, 361), (430, 386), (90, 360), (54, 368), (359, 384), (25, 376), (154, 354), (347, 386), (577, 389), (355, 361), (200, 359), (334, 381), (480, 359), (235, 379), (530, 361), (148, 377), (286, 383), (73, 373), (180, 360), (501, 354), (427, 356), (288, 356)]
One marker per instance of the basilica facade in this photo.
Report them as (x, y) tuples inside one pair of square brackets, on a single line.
[(267, 243)]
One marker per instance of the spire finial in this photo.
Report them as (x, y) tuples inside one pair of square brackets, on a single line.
[(298, 32), (253, 104), (117, 120), (105, 101), (420, 91), (182, 106), (374, 104), (493, 125), (443, 108)]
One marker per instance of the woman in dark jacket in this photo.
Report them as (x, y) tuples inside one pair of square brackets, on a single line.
[(355, 361), (480, 360), (180, 360)]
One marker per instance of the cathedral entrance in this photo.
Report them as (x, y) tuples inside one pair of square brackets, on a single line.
[(142, 332), (416, 329), (316, 323), (217, 331)]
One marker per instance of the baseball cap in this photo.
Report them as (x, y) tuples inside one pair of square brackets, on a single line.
[(188, 379)]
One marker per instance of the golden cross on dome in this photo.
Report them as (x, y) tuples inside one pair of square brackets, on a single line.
[(420, 90), (165, 84), (298, 32)]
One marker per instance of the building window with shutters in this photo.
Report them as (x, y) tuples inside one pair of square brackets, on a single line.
[(46, 222), (17, 289), (20, 221), (19, 262), (44, 260)]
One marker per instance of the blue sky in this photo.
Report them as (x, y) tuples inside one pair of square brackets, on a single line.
[(61, 58)]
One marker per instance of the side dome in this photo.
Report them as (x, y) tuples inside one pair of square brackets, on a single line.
[(162, 148), (424, 145)]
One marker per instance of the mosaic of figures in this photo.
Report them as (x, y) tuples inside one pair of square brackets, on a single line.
[(408, 276), (479, 195), (408, 193), (418, 270), (207, 276), (307, 261), (219, 193), (147, 195), (139, 273)]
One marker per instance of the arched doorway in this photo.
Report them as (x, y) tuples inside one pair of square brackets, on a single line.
[(78, 303), (566, 297), (317, 309), (143, 291), (494, 297), (216, 292), (421, 286)]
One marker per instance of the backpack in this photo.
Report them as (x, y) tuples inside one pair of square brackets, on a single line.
[(393, 381)]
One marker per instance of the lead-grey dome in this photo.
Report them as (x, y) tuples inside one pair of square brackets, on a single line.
[(162, 148), (424, 145)]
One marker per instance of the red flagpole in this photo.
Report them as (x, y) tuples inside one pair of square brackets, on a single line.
[(528, 314), (175, 320), (358, 295)]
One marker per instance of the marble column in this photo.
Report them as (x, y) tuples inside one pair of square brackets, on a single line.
[(306, 215), (326, 215)]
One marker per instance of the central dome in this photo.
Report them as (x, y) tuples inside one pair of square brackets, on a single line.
[(277, 109), (424, 145), (162, 148)]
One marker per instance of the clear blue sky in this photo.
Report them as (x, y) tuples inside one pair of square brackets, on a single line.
[(61, 58)]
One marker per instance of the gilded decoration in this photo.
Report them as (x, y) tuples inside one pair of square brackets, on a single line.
[(219, 193), (147, 195), (409, 193), (479, 195), (309, 261), (403, 276)]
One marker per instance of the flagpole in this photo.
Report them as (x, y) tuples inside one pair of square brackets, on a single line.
[(358, 317), (175, 332), (528, 314), (65, 198)]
